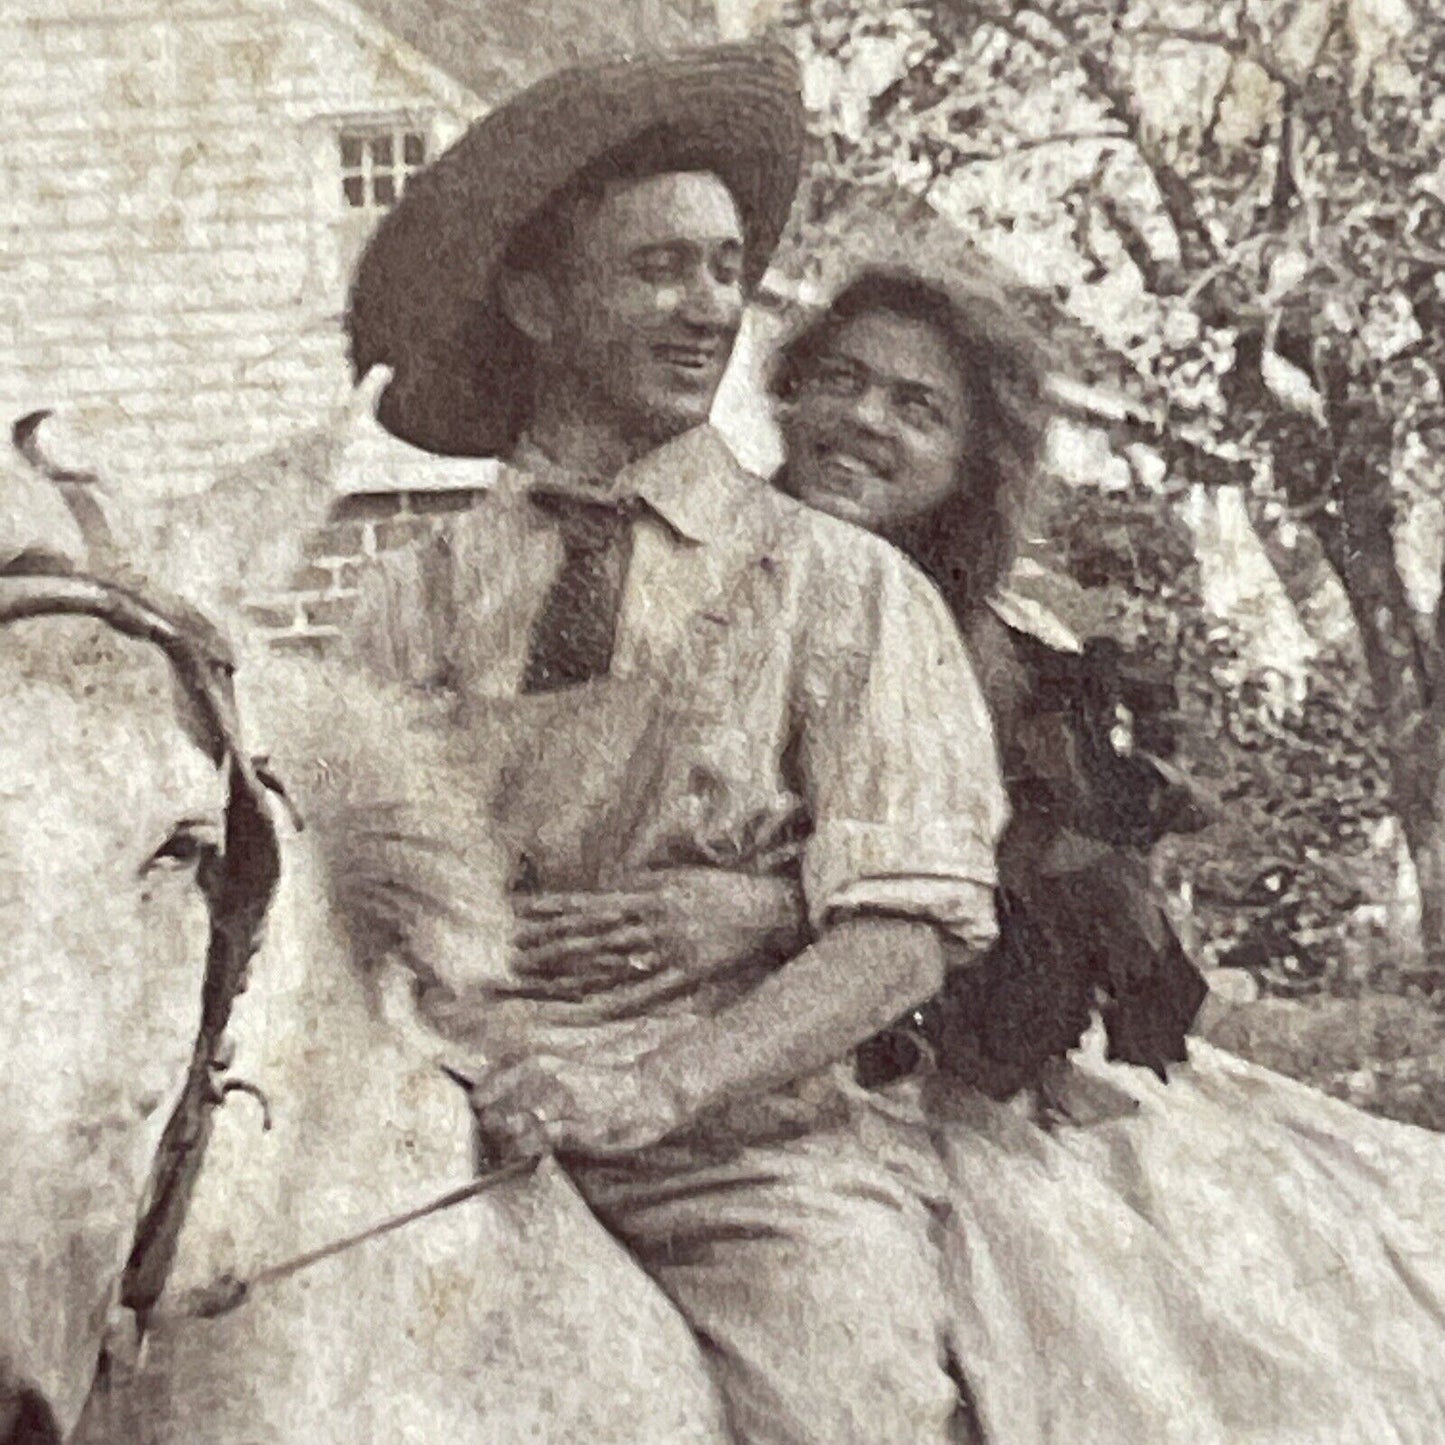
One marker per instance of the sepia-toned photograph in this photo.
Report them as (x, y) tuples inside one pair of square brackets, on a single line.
[(722, 722)]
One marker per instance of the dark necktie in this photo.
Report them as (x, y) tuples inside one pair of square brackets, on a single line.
[(576, 630)]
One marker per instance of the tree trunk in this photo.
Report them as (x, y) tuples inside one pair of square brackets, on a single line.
[(1423, 822)]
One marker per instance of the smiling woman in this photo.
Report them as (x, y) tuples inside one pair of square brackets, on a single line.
[(110, 814), (916, 411)]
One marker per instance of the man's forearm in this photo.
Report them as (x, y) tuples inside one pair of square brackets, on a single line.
[(857, 978)]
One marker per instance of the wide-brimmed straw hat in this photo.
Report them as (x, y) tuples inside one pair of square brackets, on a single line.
[(423, 298)]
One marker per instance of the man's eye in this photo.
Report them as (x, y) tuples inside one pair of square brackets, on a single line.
[(657, 266)]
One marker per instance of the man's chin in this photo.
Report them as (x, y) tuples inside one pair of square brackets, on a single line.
[(669, 414)]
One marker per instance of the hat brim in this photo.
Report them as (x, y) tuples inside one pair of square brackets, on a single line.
[(423, 297)]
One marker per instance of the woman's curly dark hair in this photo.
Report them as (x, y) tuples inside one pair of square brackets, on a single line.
[(968, 542)]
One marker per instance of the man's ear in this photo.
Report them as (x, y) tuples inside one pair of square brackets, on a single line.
[(529, 302)]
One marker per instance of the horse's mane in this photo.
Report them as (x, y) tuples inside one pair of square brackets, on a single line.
[(394, 798)]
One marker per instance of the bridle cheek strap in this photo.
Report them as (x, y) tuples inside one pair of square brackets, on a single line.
[(238, 895)]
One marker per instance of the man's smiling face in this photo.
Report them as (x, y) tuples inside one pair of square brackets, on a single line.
[(649, 296)]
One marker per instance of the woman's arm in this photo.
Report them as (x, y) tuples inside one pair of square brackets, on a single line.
[(859, 977), (697, 922)]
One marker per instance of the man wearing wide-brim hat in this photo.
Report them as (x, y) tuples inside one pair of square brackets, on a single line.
[(676, 668)]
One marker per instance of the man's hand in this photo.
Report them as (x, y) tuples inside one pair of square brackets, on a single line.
[(694, 922), (547, 1104)]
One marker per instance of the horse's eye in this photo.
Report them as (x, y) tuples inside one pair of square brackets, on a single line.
[(190, 844)]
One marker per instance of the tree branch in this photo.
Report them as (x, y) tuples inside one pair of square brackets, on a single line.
[(1209, 136), (1177, 196), (1403, 671), (1241, 47), (1033, 143), (1286, 187), (1064, 41), (1135, 244)]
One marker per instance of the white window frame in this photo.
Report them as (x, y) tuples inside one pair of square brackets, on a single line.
[(335, 219), (368, 170)]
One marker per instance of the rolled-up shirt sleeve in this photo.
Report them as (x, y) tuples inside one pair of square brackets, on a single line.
[(896, 753)]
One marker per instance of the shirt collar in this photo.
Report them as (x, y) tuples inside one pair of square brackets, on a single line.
[(684, 481)]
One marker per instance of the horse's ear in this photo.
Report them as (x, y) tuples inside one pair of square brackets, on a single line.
[(59, 509), (34, 517), (37, 562)]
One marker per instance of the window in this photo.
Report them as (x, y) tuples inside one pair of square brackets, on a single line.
[(360, 163), (375, 164)]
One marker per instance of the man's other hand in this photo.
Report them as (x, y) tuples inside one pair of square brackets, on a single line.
[(547, 1104)]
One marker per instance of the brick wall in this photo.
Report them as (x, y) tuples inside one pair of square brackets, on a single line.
[(306, 615)]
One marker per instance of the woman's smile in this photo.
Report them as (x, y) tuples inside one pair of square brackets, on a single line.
[(849, 464)]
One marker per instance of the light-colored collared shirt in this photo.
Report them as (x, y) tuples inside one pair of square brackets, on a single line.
[(780, 680)]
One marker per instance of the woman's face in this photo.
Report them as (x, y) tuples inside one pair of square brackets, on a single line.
[(877, 428)]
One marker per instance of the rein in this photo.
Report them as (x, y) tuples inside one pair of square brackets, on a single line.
[(226, 1292)]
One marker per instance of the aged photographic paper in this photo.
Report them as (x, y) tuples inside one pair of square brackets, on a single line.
[(724, 722)]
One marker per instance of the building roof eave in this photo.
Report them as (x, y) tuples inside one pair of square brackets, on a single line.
[(434, 78)]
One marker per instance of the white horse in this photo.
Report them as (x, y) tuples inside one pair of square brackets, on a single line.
[(512, 1316)]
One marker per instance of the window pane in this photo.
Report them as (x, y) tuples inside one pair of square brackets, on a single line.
[(383, 189), (414, 149), (355, 190), (381, 150), (351, 152)]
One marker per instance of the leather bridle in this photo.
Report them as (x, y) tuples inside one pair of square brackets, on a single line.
[(238, 891)]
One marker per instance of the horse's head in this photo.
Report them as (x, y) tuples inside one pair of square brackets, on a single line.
[(136, 861)]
